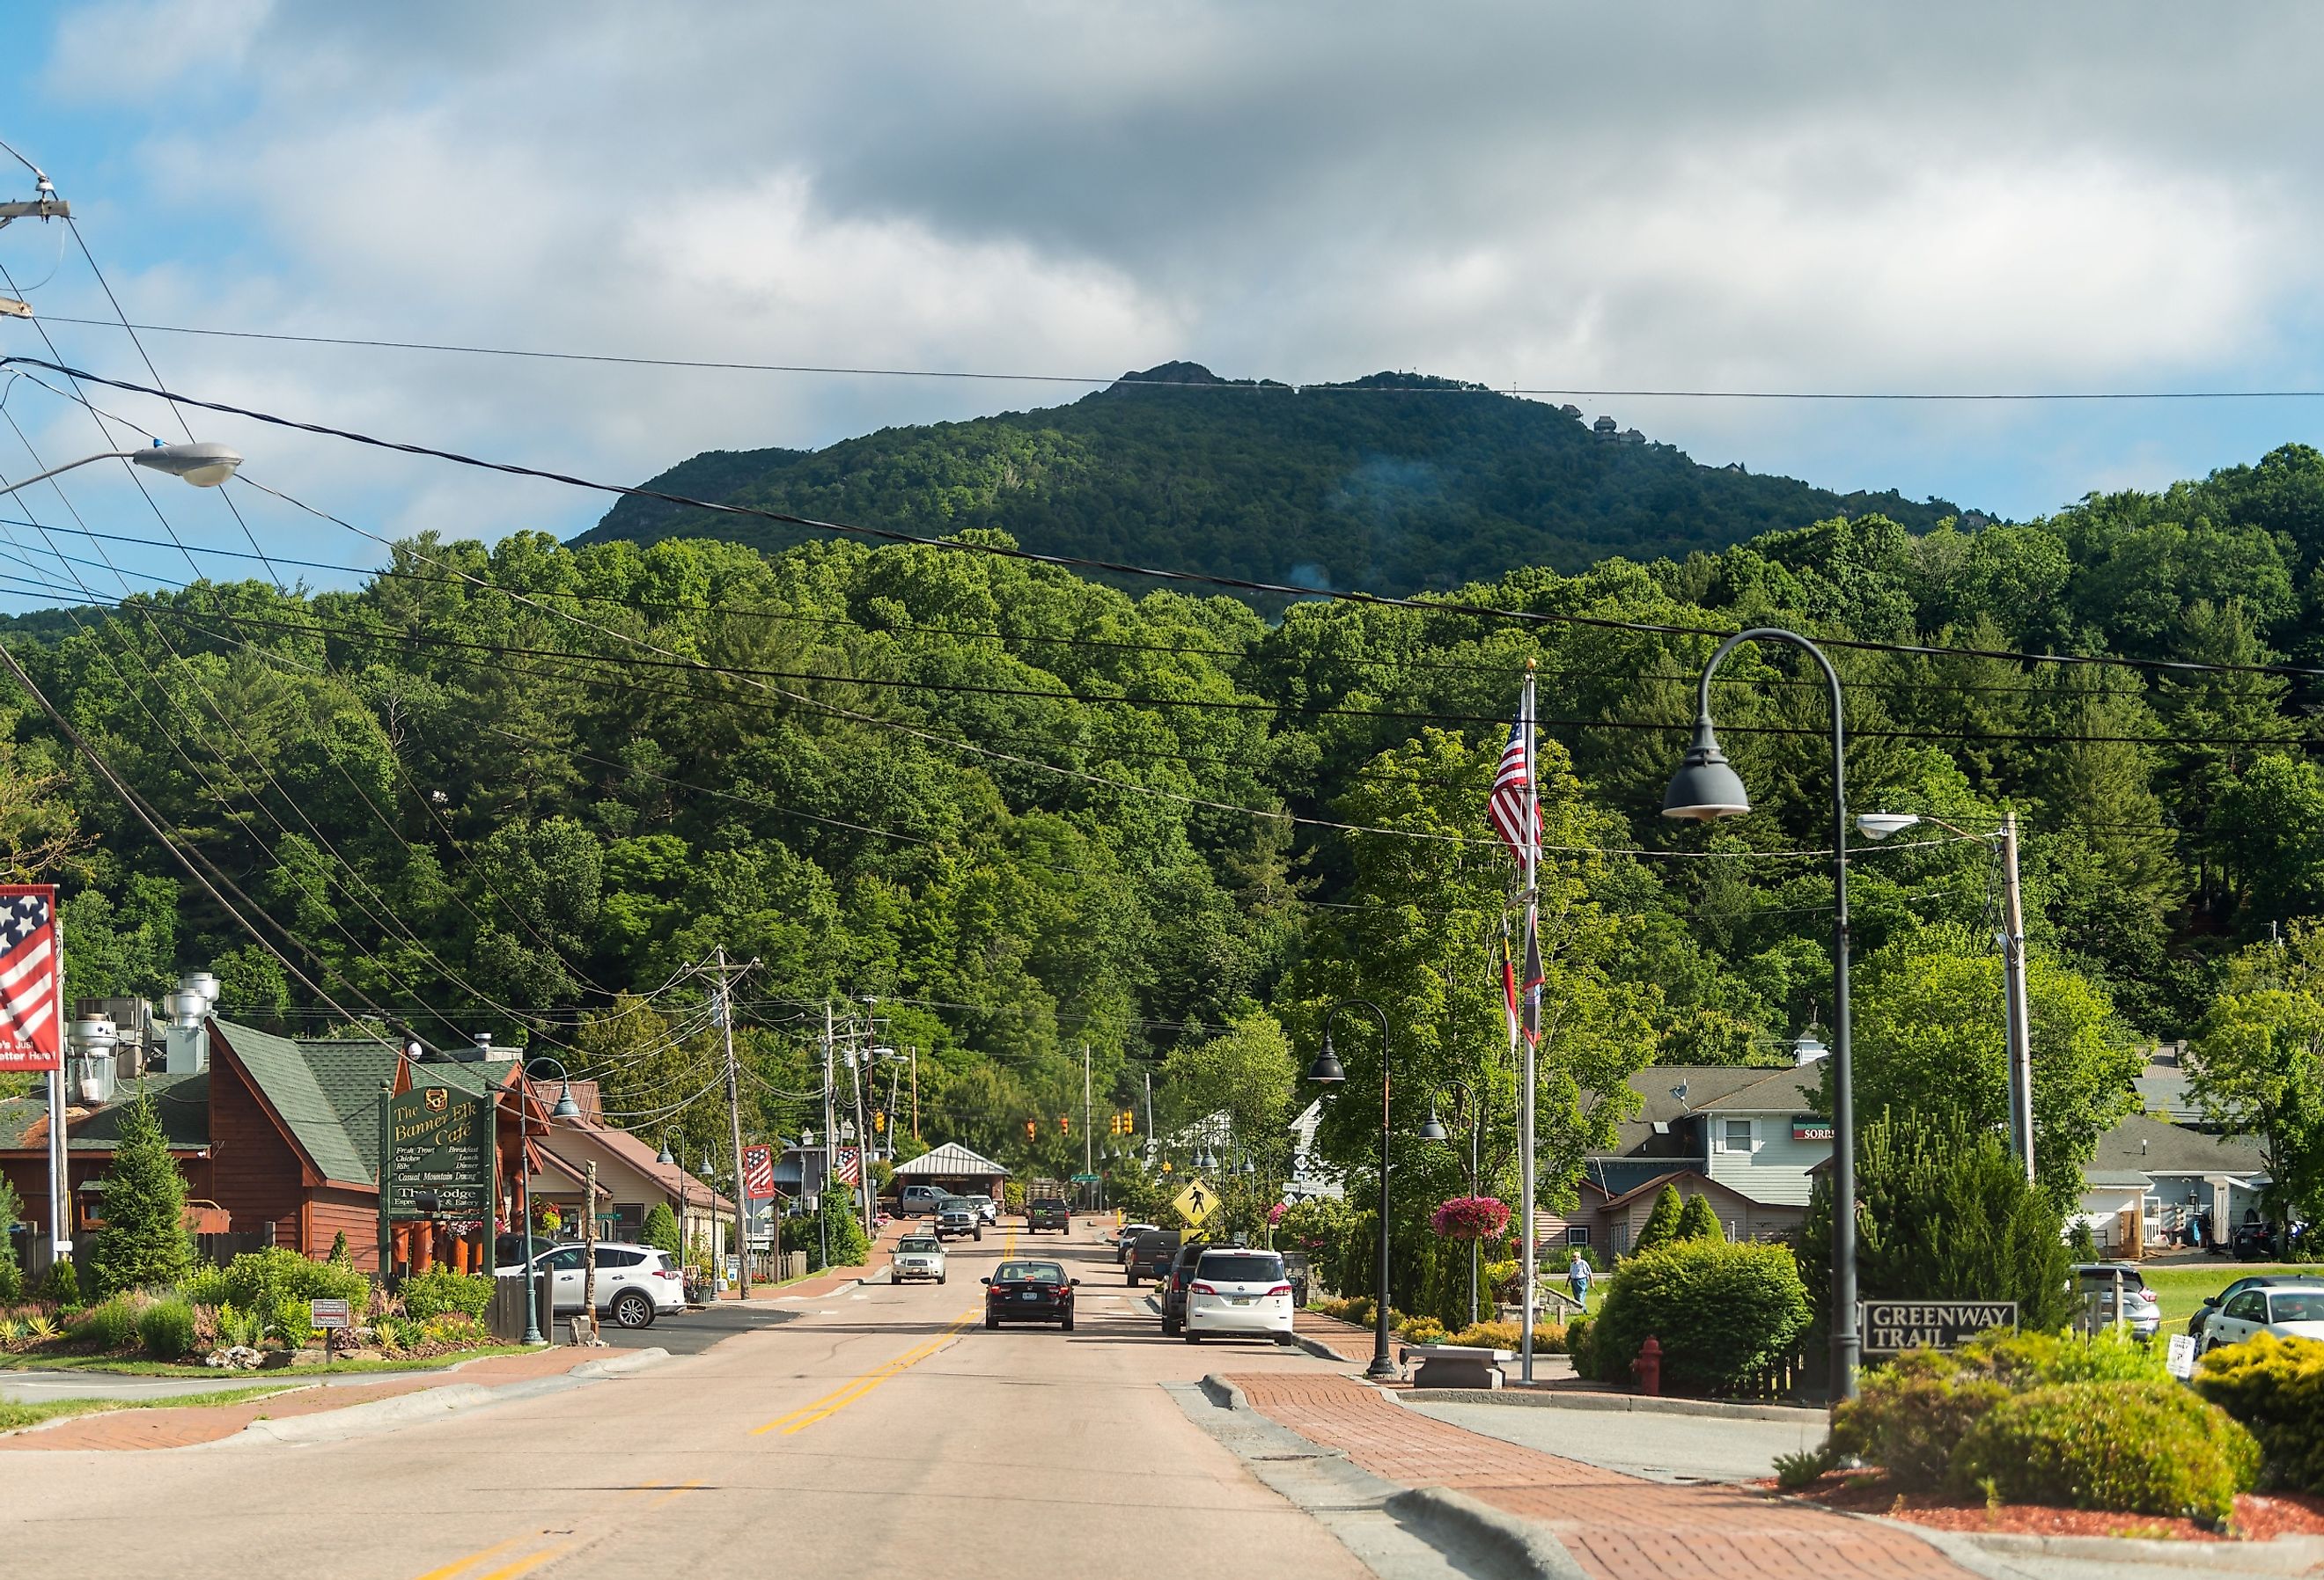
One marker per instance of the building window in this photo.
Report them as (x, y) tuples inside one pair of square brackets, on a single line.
[(1738, 1135), (1577, 1234)]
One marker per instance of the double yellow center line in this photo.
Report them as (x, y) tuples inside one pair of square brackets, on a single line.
[(855, 1388)]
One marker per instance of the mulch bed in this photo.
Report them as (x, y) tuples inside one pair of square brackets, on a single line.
[(2259, 1517)]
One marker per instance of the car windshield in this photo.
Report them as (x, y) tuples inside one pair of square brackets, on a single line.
[(1029, 1272), (2296, 1307), (1240, 1269), (918, 1246)]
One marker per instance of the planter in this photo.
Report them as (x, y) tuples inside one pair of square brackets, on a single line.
[(1472, 1217)]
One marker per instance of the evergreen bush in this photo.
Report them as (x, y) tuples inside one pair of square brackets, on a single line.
[(2275, 1387), (12, 1276), (62, 1284), (843, 1230), (1661, 1227), (1721, 1312), (1698, 1221), (661, 1229), (144, 1243), (2132, 1447)]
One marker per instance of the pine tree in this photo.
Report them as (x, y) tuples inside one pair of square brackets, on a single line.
[(1696, 1221), (1662, 1224), (660, 1229), (145, 1240), (340, 1255)]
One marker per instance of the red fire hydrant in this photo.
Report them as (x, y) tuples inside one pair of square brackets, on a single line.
[(1649, 1367)]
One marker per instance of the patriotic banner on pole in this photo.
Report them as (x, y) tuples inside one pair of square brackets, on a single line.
[(31, 1030), (1509, 984), (1533, 975), (758, 1174), (847, 1167)]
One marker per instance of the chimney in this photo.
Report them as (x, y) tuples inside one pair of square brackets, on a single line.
[(90, 1074), (185, 1044)]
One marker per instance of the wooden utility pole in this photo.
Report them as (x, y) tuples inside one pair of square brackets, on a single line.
[(916, 1091), (734, 1120), (589, 1318), (2013, 957)]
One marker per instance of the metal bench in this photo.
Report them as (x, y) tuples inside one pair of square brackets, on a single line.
[(1455, 1365)]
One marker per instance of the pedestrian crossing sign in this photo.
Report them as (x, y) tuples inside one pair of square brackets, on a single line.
[(1197, 1202)]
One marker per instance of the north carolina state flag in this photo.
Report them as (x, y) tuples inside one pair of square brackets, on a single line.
[(31, 1030)]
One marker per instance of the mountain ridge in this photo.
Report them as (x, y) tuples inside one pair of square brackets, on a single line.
[(1394, 482)]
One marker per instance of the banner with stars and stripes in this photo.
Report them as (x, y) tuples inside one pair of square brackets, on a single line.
[(31, 985)]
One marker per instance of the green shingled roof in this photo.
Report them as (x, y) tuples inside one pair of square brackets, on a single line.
[(279, 1069), (184, 1101), (349, 1072)]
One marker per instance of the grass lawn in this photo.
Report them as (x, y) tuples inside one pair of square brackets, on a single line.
[(133, 1367), (2179, 1290), (15, 1417)]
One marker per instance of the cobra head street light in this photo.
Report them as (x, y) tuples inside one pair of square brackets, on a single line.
[(205, 466)]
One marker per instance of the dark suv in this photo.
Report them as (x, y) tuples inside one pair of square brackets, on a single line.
[(1048, 1213), (1173, 1284), (1149, 1256)]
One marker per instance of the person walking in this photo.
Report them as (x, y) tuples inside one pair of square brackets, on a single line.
[(1577, 1275)]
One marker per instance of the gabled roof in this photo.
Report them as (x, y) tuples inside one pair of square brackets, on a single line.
[(950, 1161), (1688, 1182), (182, 1101), (279, 1068), (1717, 1089), (2149, 1146)]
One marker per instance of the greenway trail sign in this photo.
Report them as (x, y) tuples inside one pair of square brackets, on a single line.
[(1892, 1326), (440, 1142)]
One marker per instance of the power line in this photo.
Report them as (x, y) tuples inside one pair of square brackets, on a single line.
[(1216, 386)]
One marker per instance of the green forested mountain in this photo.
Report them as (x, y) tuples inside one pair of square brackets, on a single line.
[(1393, 484), (519, 789)]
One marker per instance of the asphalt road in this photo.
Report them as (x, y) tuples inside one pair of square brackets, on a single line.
[(891, 1434)]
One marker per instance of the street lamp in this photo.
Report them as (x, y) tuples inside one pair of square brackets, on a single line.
[(1434, 1131), (1706, 788), (205, 466), (566, 1109), (2012, 938), (1326, 1072)]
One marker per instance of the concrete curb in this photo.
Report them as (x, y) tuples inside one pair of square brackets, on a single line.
[(1225, 1393), (2288, 1554), (1505, 1543), (357, 1420), (620, 1366), (1321, 1351), (1629, 1403)]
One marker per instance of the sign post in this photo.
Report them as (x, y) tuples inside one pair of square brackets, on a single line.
[(1892, 1326), (332, 1316)]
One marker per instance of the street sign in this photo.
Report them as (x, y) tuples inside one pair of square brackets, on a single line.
[(1197, 1202), (1085, 1179), (329, 1314), (440, 1144), (2180, 1361), (1892, 1326)]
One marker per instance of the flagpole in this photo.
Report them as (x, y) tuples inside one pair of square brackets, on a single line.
[(1526, 1076)]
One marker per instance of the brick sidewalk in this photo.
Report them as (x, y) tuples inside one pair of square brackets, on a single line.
[(164, 1427), (1352, 1344), (1618, 1526)]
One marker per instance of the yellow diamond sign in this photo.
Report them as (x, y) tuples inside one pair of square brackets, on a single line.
[(1197, 1202)]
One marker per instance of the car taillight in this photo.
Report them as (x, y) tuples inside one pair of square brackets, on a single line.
[(1280, 1289), (666, 1272), (1204, 1290)]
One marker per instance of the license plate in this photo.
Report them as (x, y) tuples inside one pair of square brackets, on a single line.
[(1030, 1295), (1242, 1299)]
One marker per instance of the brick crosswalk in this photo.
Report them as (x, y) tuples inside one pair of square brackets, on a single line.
[(1618, 1526)]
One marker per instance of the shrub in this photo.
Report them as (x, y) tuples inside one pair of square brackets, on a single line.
[(1697, 1221), (2275, 1387), (1720, 1311), (453, 1330), (661, 1229), (110, 1324), (258, 1279), (1911, 1415), (2133, 1447), (166, 1329), (240, 1328), (1580, 1339), (206, 1286), (1012, 1197), (440, 1290), (1794, 1471), (63, 1285), (1661, 1227), (143, 1241)]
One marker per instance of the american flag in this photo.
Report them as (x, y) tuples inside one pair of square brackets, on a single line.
[(1508, 808), (29, 982)]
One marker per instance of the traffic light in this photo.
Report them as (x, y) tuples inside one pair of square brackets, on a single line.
[(1113, 1124), (1130, 1122), (1062, 1127), (879, 1121), (1032, 1131)]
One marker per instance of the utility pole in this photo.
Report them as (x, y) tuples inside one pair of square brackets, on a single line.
[(830, 1129), (734, 1120), (863, 1132), (1088, 1165), (916, 1091), (2013, 957), (1149, 1113)]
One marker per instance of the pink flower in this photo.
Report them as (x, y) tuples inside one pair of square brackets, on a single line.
[(1470, 1217)]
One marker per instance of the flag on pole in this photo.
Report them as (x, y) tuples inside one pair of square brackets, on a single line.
[(1533, 976), (758, 1174), (1509, 984), (31, 1035), (1509, 808)]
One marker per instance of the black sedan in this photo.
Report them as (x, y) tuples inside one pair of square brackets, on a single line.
[(1029, 1291)]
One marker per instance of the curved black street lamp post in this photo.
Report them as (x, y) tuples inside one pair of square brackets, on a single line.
[(1434, 1131), (1705, 788), (1326, 1072)]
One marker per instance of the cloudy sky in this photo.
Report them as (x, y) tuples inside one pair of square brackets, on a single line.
[(1689, 196)]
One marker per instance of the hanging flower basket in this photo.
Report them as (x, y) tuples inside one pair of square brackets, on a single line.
[(1470, 1217)]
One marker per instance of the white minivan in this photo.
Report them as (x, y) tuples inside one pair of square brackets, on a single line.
[(1238, 1290)]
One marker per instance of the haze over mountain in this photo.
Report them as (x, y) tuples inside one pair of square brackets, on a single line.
[(1393, 484)]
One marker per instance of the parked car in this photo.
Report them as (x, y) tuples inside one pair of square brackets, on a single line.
[(918, 1256), (634, 1283), (1029, 1291), (1150, 1254), (1125, 1237), (1295, 1271), (2095, 1283), (2211, 1303), (920, 1201), (957, 1217), (1048, 1213), (2253, 1241), (1238, 1291), (1173, 1286), (2287, 1310)]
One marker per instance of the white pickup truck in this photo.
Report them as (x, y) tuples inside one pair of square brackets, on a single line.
[(918, 1256)]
